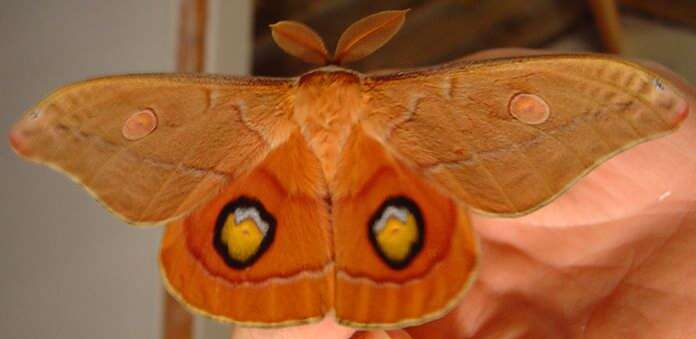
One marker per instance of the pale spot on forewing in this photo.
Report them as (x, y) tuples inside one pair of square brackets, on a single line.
[(529, 108), (140, 124)]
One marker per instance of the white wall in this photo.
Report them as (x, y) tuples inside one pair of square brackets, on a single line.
[(68, 269)]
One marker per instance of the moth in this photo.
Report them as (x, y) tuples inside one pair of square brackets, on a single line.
[(337, 192)]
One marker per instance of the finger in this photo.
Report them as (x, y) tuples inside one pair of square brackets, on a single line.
[(326, 329)]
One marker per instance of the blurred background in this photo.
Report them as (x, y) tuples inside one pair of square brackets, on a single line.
[(70, 270)]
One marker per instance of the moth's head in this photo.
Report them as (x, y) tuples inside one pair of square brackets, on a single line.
[(359, 40)]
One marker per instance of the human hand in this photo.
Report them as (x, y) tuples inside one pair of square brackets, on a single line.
[(608, 259)]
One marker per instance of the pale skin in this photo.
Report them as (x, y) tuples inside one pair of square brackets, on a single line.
[(610, 258)]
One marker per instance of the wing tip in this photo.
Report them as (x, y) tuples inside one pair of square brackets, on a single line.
[(17, 142)]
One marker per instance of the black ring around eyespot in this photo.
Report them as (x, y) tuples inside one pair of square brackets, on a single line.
[(221, 248), (398, 201)]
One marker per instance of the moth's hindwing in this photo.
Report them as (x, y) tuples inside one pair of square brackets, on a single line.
[(259, 253), (404, 252)]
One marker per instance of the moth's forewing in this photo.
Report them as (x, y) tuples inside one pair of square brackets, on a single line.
[(457, 123), (199, 141)]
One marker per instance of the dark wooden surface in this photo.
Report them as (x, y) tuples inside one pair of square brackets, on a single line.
[(679, 11), (434, 32), (190, 56), (606, 16), (178, 323)]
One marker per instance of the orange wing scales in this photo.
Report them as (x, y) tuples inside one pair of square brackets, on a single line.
[(369, 293), (289, 183)]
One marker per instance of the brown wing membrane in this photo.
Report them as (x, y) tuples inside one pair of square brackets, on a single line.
[(454, 123), (153, 147)]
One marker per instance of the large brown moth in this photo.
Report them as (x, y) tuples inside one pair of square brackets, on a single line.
[(337, 192)]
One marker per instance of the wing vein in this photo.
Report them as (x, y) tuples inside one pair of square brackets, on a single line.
[(526, 158), (475, 157)]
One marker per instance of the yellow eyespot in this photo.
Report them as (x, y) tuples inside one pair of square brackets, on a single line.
[(243, 239), (396, 237), (396, 231), (243, 231)]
